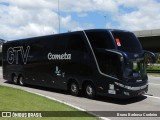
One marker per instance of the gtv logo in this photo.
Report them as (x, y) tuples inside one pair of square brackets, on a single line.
[(13, 54)]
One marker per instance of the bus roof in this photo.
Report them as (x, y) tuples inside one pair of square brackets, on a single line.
[(87, 30)]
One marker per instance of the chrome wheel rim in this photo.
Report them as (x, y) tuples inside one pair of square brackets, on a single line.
[(15, 79), (21, 81), (89, 90), (74, 88)]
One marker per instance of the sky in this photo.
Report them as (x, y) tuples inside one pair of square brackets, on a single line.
[(30, 18)]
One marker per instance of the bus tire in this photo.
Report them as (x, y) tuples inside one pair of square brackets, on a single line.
[(21, 80), (15, 79), (90, 91), (74, 89)]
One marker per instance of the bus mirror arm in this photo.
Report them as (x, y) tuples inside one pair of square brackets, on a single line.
[(122, 56), (150, 57)]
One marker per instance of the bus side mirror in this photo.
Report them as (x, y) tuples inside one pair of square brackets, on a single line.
[(149, 57)]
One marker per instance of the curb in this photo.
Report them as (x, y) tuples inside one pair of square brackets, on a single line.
[(68, 104)]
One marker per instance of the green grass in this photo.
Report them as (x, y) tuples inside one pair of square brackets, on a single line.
[(153, 71), (153, 68), (18, 100)]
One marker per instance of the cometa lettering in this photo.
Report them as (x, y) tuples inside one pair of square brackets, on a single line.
[(64, 56)]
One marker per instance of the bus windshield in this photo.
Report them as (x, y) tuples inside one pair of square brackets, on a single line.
[(126, 41), (135, 69)]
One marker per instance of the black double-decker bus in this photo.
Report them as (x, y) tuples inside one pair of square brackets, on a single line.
[(96, 62)]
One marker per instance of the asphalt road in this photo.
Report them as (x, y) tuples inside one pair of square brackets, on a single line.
[(148, 102)]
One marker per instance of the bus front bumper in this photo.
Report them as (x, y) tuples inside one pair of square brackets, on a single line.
[(128, 91)]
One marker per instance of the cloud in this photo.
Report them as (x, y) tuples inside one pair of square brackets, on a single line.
[(88, 5), (19, 18), (146, 15), (27, 18), (22, 19), (18, 23), (30, 4)]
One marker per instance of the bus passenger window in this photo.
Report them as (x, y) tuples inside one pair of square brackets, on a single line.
[(77, 43)]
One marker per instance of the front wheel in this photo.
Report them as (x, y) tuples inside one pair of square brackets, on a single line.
[(90, 91), (74, 89)]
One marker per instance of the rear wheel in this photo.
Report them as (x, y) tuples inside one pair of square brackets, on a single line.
[(15, 79), (21, 80), (90, 91), (74, 89)]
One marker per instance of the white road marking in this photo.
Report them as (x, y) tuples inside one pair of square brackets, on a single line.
[(152, 96), (78, 108), (154, 84)]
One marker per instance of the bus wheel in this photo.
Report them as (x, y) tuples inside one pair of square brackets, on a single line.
[(21, 81), (74, 89), (90, 91), (15, 79)]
